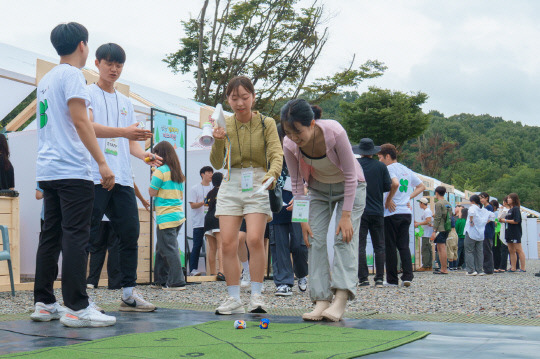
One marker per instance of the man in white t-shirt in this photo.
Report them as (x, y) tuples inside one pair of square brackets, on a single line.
[(426, 221), (397, 215), (117, 130), (197, 194), (66, 143)]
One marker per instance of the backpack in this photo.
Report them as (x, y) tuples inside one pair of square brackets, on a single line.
[(448, 221)]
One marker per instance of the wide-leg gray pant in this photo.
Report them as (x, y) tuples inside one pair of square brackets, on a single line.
[(474, 255), (322, 282)]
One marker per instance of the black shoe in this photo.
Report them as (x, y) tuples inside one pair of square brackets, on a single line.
[(537, 274), (379, 283), (221, 277), (364, 284)]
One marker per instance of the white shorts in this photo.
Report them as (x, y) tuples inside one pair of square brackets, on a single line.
[(231, 201)]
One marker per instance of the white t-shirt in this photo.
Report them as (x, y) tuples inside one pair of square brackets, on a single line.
[(481, 216), (113, 110), (428, 230), (61, 153), (407, 182), (198, 194)]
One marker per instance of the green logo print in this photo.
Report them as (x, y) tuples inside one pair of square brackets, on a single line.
[(43, 106), (403, 185)]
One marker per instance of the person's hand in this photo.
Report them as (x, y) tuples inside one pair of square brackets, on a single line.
[(134, 133), (291, 204), (107, 176), (390, 205), (432, 238), (409, 205), (146, 204), (152, 159), (306, 233), (219, 133), (416, 224), (345, 227)]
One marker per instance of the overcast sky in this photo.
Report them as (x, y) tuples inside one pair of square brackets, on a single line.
[(468, 55)]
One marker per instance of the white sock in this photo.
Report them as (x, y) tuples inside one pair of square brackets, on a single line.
[(256, 288), (127, 292), (245, 266), (234, 291)]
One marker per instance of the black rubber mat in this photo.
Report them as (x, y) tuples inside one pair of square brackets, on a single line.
[(448, 340)]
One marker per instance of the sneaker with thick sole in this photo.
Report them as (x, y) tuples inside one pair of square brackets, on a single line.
[(195, 272), (231, 306), (364, 284), (87, 318), (157, 285), (136, 303), (302, 284), (379, 284), (283, 291), (481, 273), (256, 304), (407, 283), (174, 288), (245, 279), (386, 284), (471, 273), (90, 286), (47, 312), (93, 304)]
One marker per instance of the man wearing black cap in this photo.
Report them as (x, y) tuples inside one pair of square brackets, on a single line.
[(378, 181)]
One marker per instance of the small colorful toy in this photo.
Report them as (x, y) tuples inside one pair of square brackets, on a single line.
[(239, 324), (264, 323)]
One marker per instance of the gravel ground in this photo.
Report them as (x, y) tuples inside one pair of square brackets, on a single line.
[(511, 295)]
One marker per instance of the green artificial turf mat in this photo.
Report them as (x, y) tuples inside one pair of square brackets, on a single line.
[(219, 339)]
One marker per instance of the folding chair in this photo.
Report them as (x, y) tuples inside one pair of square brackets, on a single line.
[(5, 255)]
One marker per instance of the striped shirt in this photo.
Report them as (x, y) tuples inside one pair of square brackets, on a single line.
[(169, 200)]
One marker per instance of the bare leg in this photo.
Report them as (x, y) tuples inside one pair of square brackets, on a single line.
[(255, 224), (441, 248), (242, 249), (513, 257), (521, 254), (229, 227), (219, 252), (211, 253)]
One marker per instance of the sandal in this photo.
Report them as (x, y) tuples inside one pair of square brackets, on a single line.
[(521, 270), (221, 277)]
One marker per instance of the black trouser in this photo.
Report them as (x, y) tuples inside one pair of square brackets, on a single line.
[(120, 206), (396, 235), (461, 252), (375, 225), (286, 239), (107, 242), (488, 256), (66, 229)]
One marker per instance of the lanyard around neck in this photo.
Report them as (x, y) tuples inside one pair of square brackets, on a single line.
[(107, 107)]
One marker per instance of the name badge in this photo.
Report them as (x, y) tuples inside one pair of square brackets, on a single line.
[(111, 146), (247, 180), (301, 209)]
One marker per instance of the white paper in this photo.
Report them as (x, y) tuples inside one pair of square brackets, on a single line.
[(219, 116)]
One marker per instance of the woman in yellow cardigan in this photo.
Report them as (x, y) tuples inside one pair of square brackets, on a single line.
[(249, 145)]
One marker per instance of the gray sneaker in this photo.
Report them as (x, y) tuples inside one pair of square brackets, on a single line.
[(47, 312), (302, 284), (283, 291), (363, 284), (136, 303), (231, 306)]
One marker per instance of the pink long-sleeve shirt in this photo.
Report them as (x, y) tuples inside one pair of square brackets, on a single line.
[(338, 151)]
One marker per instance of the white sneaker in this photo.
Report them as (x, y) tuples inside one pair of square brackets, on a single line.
[(481, 273), (473, 273), (406, 283), (195, 272), (386, 284), (302, 284), (90, 286), (245, 280), (93, 304), (85, 318), (256, 304), (47, 312), (283, 291), (136, 303), (231, 306)]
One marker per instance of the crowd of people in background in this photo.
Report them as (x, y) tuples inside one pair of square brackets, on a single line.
[(88, 133)]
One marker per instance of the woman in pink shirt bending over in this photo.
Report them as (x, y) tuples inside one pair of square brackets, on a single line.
[(318, 153)]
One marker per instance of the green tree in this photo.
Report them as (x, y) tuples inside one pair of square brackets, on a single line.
[(385, 116), (273, 42)]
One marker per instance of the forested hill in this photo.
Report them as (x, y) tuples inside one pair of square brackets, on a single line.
[(480, 153)]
